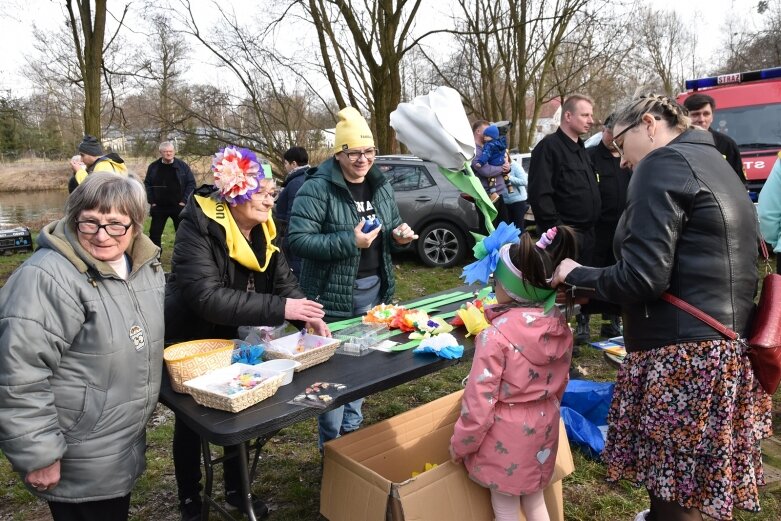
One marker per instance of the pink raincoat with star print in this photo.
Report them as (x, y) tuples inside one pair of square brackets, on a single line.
[(508, 432)]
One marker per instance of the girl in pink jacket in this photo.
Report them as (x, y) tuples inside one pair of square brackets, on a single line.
[(507, 435)]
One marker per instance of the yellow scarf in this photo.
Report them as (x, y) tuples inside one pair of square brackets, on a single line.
[(238, 247)]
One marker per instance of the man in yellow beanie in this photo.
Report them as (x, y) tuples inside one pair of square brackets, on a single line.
[(344, 224)]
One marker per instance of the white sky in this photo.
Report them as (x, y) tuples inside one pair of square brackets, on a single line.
[(17, 17)]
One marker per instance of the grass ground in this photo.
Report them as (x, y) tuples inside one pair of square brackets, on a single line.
[(290, 464)]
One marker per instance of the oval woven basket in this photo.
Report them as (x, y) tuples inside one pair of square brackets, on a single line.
[(188, 360)]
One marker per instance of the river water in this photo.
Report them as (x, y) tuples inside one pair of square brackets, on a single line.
[(32, 208)]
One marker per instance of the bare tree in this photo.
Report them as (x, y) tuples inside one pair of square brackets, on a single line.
[(753, 47), (77, 56), (164, 68), (664, 43), (88, 31), (512, 57), (257, 107), (362, 45)]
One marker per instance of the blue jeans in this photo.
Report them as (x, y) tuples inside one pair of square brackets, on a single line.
[(347, 418)]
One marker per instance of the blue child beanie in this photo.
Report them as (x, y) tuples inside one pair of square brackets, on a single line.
[(491, 131)]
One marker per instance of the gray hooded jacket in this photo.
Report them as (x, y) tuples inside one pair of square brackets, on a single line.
[(80, 365)]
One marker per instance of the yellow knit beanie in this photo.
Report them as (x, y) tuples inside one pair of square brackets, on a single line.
[(352, 131)]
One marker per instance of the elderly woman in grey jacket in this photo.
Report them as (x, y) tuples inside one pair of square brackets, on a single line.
[(81, 341)]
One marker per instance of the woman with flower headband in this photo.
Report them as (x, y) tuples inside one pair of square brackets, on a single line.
[(227, 272), (687, 416), (507, 434)]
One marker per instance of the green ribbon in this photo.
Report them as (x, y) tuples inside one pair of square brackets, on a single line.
[(523, 289)]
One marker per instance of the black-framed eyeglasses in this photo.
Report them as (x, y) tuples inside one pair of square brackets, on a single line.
[(354, 155), (113, 229), (627, 129)]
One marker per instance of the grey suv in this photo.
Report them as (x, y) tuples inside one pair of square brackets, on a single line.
[(438, 212)]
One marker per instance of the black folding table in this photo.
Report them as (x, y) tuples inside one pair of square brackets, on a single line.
[(363, 375)]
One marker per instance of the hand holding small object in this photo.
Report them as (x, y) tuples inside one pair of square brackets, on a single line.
[(364, 240), (76, 163), (403, 234), (562, 270), (303, 309), (319, 328)]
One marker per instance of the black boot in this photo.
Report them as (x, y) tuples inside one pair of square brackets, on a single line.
[(612, 328), (233, 498), (191, 509), (582, 331)]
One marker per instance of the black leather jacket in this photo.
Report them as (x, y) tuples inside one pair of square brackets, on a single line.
[(689, 228)]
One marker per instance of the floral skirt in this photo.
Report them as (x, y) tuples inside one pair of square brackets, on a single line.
[(686, 422)]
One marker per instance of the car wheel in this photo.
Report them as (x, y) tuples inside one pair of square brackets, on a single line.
[(441, 245)]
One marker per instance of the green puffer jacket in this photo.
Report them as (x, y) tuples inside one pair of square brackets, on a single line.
[(81, 356), (321, 232)]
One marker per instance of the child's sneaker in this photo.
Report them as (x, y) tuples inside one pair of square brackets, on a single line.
[(494, 196), (642, 515)]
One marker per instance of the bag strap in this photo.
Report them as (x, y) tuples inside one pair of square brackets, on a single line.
[(701, 315), (763, 247)]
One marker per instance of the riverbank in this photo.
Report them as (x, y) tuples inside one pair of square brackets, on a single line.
[(41, 174)]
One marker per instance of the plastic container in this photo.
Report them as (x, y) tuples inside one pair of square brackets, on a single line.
[(262, 333), (358, 339), (284, 365)]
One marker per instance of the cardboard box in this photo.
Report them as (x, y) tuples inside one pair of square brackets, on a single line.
[(367, 474)]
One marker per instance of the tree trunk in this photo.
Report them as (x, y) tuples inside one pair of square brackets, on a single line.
[(89, 50)]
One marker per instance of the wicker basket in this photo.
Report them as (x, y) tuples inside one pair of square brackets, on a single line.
[(285, 348), (192, 359), (199, 388)]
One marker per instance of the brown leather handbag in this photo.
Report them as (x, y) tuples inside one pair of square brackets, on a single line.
[(764, 339)]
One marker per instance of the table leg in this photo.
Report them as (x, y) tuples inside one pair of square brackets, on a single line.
[(209, 483), (245, 485)]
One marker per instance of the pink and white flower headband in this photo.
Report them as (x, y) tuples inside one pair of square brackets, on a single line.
[(237, 174)]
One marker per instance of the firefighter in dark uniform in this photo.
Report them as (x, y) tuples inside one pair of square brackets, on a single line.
[(562, 185), (613, 182)]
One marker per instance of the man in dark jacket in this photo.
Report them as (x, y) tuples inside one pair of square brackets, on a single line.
[(169, 183), (701, 107), (613, 182), (296, 162), (562, 186)]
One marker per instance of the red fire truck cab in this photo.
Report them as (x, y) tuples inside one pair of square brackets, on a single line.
[(748, 109)]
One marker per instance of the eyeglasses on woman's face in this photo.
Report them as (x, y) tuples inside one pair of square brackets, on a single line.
[(354, 155), (90, 227), (620, 147), (271, 192)]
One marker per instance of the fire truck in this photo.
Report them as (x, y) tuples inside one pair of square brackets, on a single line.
[(748, 109)]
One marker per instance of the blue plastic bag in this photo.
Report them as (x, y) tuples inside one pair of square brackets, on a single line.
[(584, 409), (249, 351)]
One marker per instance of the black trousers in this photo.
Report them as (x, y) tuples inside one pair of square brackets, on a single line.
[(187, 463), (160, 216), (515, 213), (115, 509)]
